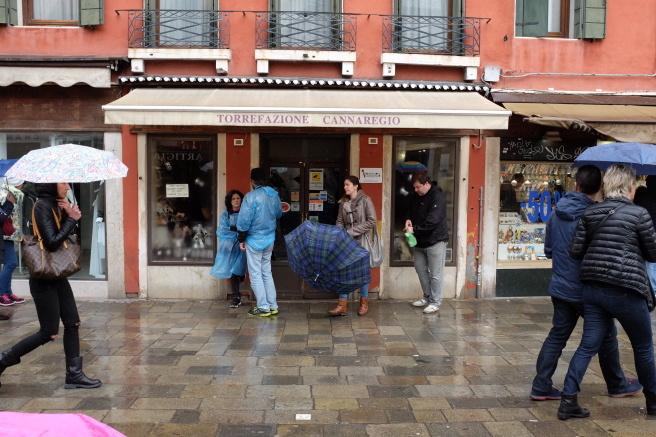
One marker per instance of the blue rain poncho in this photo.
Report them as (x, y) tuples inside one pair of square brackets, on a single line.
[(257, 216), (230, 259)]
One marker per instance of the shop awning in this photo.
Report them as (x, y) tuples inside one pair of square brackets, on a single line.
[(626, 123), (307, 108), (97, 77)]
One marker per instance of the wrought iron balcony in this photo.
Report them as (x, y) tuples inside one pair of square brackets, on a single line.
[(305, 31), (173, 29), (456, 36)]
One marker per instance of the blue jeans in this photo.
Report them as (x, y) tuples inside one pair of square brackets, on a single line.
[(565, 317), (259, 269), (11, 262), (364, 292), (601, 306), (651, 271)]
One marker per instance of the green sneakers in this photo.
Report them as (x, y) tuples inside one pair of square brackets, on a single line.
[(258, 312)]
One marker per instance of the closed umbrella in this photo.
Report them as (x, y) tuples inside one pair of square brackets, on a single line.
[(327, 257), (67, 163), (642, 157)]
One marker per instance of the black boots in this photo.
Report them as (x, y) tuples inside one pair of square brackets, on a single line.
[(569, 407), (236, 301), (651, 404), (7, 359), (75, 378)]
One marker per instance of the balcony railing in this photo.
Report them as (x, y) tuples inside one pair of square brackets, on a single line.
[(305, 31), (175, 29), (456, 36)]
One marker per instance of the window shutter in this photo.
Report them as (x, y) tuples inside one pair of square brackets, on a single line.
[(590, 19), (531, 18), (4, 18), (8, 13), (91, 12)]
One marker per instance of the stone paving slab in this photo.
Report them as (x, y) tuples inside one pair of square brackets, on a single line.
[(191, 368)]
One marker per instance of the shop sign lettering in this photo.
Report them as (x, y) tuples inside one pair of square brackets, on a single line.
[(308, 120), (178, 156), (23, 137)]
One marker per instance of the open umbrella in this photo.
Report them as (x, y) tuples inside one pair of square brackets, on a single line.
[(410, 167), (68, 163), (642, 157), (327, 257), (6, 164), (53, 425)]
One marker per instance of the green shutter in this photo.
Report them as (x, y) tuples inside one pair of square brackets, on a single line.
[(590, 19), (8, 14), (92, 12), (3, 12), (531, 18)]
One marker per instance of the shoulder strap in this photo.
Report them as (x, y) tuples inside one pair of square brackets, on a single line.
[(36, 228), (610, 213)]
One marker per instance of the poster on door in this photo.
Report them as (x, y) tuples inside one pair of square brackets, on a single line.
[(316, 179)]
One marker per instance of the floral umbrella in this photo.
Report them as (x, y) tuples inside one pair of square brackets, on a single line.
[(68, 163)]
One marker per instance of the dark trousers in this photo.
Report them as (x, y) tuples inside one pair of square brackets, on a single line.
[(602, 305), (566, 315), (53, 301)]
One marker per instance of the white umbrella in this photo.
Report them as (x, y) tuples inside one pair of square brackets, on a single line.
[(68, 163)]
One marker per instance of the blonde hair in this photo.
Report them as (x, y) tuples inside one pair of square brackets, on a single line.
[(619, 180)]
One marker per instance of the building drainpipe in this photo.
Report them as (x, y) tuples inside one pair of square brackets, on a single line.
[(479, 245)]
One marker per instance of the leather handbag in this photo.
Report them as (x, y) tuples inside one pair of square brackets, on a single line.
[(372, 242), (43, 264)]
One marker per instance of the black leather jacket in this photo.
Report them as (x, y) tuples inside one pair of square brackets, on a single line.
[(45, 208), (616, 252)]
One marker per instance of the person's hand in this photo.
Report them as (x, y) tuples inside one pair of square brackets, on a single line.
[(73, 211), (11, 198), (242, 246), (408, 227)]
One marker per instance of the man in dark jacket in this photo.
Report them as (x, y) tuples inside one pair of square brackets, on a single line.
[(648, 201), (567, 295), (427, 221)]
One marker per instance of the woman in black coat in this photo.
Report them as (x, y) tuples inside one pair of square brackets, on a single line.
[(54, 299), (614, 238)]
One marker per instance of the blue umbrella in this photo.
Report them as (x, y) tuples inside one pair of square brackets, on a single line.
[(327, 257), (642, 157), (5, 164)]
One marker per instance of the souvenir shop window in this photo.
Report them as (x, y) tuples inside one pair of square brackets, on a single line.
[(90, 197), (182, 200), (438, 158), (529, 194)]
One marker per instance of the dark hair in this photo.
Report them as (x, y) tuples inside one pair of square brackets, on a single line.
[(228, 199), (640, 191), (421, 177), (518, 177), (354, 180), (588, 177), (651, 181)]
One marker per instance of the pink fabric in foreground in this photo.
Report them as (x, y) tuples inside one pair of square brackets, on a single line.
[(53, 425)]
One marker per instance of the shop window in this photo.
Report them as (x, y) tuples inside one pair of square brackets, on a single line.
[(52, 12), (561, 18), (182, 200), (438, 157), (89, 196)]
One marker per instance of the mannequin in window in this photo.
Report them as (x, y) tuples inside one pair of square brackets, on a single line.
[(509, 190)]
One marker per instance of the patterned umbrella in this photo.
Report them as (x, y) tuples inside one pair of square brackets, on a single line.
[(410, 166), (327, 257), (68, 163), (53, 425)]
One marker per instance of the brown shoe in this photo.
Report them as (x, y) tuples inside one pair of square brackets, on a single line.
[(340, 309), (364, 306)]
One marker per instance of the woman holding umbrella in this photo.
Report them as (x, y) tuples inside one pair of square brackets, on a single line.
[(358, 216), (230, 260), (54, 299)]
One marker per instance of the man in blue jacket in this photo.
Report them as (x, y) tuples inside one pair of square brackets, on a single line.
[(256, 225), (566, 295)]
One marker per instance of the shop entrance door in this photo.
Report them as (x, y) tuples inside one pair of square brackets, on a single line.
[(308, 173)]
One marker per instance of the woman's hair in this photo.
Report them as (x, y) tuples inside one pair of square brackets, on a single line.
[(354, 180), (228, 199), (618, 180)]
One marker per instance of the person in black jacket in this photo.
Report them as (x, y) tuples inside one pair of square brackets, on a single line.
[(54, 299), (427, 221), (614, 238), (567, 295)]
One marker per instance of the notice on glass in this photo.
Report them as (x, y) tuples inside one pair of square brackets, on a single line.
[(177, 190), (295, 196), (316, 205), (371, 175), (296, 206), (315, 196), (323, 195), (316, 179)]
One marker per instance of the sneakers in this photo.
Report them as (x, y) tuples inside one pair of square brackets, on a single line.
[(551, 395), (432, 308), (632, 388), (420, 303), (258, 312), (274, 312), (6, 301), (236, 302), (16, 299)]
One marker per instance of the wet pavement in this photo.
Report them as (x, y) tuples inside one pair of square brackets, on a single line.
[(198, 368)]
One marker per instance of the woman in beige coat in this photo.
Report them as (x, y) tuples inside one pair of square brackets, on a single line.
[(357, 215)]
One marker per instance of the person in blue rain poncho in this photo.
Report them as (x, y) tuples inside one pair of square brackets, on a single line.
[(230, 260), (257, 231)]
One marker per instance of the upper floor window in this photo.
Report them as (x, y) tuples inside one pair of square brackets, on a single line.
[(560, 18), (52, 12), (181, 23), (306, 24)]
